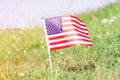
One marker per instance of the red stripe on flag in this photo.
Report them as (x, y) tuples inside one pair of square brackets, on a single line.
[(76, 34), (73, 17), (61, 47), (57, 37), (66, 46), (69, 25), (70, 40), (74, 22), (76, 18), (81, 32)]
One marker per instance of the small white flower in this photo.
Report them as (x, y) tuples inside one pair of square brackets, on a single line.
[(14, 37), (61, 52), (114, 17), (21, 74), (104, 21), (108, 33), (25, 51), (41, 42), (111, 20), (9, 52)]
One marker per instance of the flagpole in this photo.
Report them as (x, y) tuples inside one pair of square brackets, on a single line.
[(45, 30)]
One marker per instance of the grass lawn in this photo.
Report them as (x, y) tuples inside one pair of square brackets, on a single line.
[(23, 53)]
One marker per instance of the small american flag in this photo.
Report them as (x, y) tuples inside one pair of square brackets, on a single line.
[(66, 31)]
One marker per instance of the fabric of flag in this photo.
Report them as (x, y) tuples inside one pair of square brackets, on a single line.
[(66, 31)]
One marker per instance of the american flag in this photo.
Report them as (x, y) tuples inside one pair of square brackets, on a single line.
[(66, 31)]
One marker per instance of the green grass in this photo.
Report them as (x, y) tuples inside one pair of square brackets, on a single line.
[(23, 53)]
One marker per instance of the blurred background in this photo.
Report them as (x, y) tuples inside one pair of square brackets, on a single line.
[(23, 49), (27, 13)]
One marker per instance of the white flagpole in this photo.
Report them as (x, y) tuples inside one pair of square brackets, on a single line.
[(49, 56)]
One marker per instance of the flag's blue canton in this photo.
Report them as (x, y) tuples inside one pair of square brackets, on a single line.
[(53, 25)]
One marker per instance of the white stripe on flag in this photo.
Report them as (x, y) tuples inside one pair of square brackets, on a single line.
[(70, 43)]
